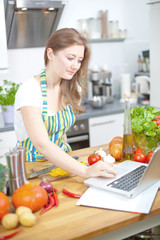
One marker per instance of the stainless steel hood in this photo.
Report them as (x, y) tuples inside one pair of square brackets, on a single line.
[(29, 23)]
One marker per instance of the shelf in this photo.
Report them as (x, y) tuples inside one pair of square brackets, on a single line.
[(102, 40)]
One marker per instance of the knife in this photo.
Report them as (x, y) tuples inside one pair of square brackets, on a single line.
[(42, 171)]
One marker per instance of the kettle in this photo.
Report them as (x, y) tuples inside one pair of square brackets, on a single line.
[(142, 86)]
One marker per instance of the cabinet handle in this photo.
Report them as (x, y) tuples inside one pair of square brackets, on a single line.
[(1, 156), (77, 138), (102, 123), (150, 3), (1, 140)]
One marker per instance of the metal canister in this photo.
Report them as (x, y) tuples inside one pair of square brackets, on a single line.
[(22, 169), (12, 158)]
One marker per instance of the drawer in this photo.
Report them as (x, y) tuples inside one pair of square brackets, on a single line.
[(7, 139)]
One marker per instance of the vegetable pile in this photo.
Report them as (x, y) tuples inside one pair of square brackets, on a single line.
[(3, 170), (146, 127), (52, 195)]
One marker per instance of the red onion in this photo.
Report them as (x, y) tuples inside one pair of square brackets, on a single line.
[(46, 185)]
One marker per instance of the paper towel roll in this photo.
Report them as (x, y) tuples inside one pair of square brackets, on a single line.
[(125, 84)]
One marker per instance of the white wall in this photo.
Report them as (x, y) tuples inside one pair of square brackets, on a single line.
[(132, 15)]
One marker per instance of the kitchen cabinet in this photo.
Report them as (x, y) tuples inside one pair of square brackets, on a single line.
[(3, 40), (7, 140), (103, 129), (103, 40)]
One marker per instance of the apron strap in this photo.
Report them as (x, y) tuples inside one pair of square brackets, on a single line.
[(44, 92)]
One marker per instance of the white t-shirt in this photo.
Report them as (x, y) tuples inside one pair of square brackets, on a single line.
[(28, 94)]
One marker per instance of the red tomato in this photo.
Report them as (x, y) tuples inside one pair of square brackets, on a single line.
[(93, 158), (139, 157), (158, 123), (138, 150), (156, 118), (148, 157)]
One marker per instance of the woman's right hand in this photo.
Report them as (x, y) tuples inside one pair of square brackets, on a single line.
[(102, 169)]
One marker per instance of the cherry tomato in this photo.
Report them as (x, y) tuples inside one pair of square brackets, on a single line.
[(148, 157), (93, 158), (158, 123), (156, 118), (138, 150), (139, 157)]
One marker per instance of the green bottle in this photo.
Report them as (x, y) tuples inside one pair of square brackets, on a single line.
[(127, 131)]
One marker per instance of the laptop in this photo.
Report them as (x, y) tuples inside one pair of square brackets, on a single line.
[(132, 177)]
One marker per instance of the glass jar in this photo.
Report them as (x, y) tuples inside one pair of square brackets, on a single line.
[(94, 30)]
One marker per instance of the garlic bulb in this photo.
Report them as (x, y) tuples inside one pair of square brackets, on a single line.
[(101, 153), (109, 159)]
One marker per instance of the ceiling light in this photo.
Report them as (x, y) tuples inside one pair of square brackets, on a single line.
[(51, 9), (24, 9)]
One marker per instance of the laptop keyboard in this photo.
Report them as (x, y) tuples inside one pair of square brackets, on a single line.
[(128, 181)]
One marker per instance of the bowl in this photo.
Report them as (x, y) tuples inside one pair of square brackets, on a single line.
[(98, 101), (147, 143)]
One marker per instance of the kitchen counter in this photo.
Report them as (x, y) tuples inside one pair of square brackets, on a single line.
[(108, 109), (68, 221)]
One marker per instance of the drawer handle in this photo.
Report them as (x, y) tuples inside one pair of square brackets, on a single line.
[(102, 123)]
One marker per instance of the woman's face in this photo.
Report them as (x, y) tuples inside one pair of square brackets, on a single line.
[(66, 62)]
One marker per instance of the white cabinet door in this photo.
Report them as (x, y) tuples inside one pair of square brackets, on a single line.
[(7, 140), (3, 41), (103, 129)]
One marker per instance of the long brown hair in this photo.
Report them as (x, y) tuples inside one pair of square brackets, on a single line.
[(61, 39)]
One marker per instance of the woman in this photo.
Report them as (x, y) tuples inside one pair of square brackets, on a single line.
[(46, 105)]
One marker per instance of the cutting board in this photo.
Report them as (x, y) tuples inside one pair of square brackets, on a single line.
[(82, 154), (48, 176)]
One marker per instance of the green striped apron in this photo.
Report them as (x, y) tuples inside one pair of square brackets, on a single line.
[(56, 126)]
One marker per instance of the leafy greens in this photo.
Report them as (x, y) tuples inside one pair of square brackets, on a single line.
[(143, 125)]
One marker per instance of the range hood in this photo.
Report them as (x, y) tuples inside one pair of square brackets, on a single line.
[(29, 23)]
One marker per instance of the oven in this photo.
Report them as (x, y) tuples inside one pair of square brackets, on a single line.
[(78, 135)]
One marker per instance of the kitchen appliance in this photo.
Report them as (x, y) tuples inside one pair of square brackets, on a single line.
[(100, 85), (142, 88), (29, 23), (78, 134)]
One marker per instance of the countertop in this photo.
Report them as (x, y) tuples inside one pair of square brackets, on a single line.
[(109, 108), (68, 221)]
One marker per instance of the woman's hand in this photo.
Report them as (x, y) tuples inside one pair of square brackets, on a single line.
[(102, 169)]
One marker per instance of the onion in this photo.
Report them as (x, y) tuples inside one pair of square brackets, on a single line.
[(46, 185)]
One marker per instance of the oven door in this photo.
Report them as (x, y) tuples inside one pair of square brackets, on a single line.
[(78, 142)]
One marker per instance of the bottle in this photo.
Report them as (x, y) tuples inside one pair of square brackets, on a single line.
[(127, 131), (144, 66), (139, 64)]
